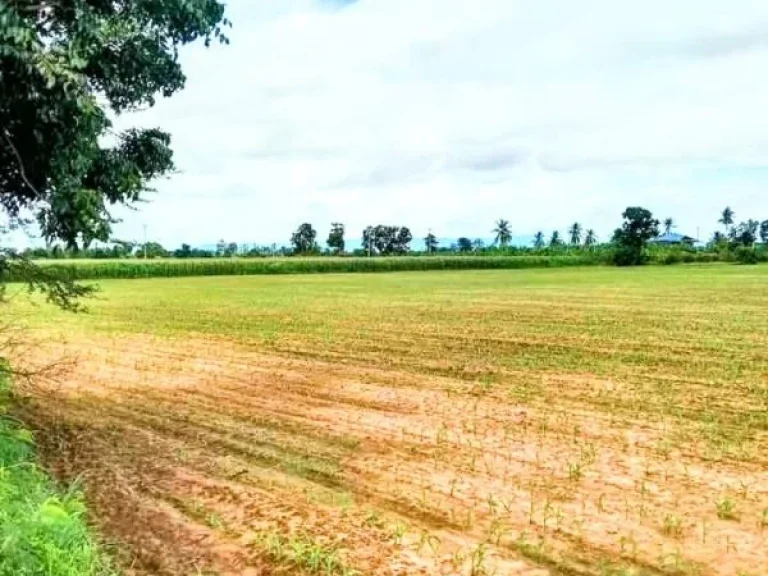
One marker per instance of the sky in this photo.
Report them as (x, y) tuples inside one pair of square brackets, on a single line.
[(446, 115)]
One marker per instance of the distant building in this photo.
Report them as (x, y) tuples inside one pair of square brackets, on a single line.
[(674, 239)]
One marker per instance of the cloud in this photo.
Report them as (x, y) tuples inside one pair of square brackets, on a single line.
[(448, 114)]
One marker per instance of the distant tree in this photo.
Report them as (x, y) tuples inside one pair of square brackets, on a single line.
[(590, 239), (231, 249), (464, 244), (387, 240), (632, 238), (575, 234), (336, 238), (478, 245), (669, 223), (718, 239), (726, 219), (538, 240), (184, 252), (745, 233), (555, 240), (764, 231), (403, 240), (368, 240), (151, 250), (431, 243), (503, 233), (303, 239), (221, 247)]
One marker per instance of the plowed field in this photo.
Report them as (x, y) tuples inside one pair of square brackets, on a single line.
[(545, 422)]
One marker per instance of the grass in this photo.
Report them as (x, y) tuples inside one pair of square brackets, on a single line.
[(42, 531), (587, 420)]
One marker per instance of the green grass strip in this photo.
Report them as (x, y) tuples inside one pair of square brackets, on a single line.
[(42, 531)]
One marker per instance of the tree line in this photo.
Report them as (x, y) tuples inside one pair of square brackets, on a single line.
[(628, 244)]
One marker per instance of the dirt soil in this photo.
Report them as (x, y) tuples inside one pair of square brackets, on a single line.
[(191, 451)]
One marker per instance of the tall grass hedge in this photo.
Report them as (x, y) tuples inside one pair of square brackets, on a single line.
[(168, 268)]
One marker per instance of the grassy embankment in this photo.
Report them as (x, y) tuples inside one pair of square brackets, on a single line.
[(42, 531)]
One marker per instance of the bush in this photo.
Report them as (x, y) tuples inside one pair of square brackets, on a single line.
[(628, 256), (746, 255)]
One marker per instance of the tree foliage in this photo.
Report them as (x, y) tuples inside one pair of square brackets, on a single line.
[(63, 65), (574, 233), (632, 238), (503, 233), (555, 240), (304, 239), (464, 244), (431, 243), (387, 240), (336, 238), (538, 240), (726, 218)]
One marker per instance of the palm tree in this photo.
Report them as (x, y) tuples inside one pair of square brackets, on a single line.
[(431, 243), (669, 223), (726, 219), (538, 240), (555, 240), (590, 239), (575, 233), (503, 233)]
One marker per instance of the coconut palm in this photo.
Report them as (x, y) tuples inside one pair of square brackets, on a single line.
[(555, 240), (575, 233), (538, 240), (503, 233), (726, 219), (669, 223), (590, 239)]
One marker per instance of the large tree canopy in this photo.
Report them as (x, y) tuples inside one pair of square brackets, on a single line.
[(63, 64)]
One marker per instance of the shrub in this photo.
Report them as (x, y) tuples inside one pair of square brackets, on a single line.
[(746, 255)]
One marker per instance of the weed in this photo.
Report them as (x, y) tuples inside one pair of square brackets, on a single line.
[(726, 509)]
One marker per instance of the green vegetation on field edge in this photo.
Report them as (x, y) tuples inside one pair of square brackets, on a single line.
[(168, 268), (42, 531)]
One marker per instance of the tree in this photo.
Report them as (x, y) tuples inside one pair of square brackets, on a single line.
[(669, 223), (632, 238), (555, 240), (726, 219), (478, 245), (503, 233), (221, 247), (764, 231), (590, 239), (745, 233), (152, 250), (231, 249), (336, 238), (431, 243), (368, 240), (387, 240), (575, 234), (464, 244), (303, 239), (63, 67), (538, 240), (403, 240)]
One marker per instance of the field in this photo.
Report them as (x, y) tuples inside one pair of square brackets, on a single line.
[(573, 421)]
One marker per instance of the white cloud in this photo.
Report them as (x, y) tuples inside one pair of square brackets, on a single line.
[(448, 114)]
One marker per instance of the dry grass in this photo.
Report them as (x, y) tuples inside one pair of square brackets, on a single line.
[(595, 422)]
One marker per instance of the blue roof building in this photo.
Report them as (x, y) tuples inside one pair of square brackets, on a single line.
[(673, 239)]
